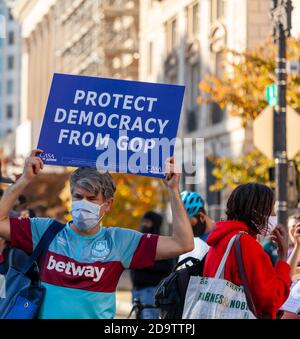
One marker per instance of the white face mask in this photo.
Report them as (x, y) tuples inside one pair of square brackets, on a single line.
[(272, 224), (85, 214)]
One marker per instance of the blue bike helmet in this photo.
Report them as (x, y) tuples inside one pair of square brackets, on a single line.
[(192, 202)]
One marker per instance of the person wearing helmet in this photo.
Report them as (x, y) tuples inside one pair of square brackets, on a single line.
[(201, 223)]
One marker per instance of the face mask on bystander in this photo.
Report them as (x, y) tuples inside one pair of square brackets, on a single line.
[(272, 224)]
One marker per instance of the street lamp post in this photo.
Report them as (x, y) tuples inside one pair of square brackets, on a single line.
[(281, 11)]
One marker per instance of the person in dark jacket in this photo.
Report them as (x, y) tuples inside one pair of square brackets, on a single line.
[(145, 281)]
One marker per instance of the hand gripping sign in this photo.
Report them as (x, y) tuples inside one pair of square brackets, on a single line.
[(116, 125)]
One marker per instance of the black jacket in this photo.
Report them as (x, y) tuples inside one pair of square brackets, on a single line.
[(151, 277)]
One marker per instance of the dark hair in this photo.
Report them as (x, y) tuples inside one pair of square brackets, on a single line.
[(252, 204), (22, 199), (31, 213), (156, 219), (203, 210), (200, 227)]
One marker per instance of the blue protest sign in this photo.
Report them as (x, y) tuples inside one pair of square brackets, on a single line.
[(116, 125)]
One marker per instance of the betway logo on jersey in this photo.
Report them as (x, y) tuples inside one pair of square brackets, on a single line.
[(70, 268)]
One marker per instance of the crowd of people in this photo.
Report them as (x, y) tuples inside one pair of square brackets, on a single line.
[(271, 261)]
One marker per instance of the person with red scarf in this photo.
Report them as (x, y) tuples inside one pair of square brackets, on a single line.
[(248, 210)]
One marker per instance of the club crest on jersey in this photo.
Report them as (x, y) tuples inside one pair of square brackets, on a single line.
[(100, 249)]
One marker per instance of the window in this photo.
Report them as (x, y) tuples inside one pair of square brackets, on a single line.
[(195, 75), (195, 12), (10, 62), (9, 111), (217, 113), (217, 10), (150, 58), (192, 107), (11, 18), (174, 33), (192, 120), (172, 79), (221, 9), (9, 87), (213, 199), (171, 35), (11, 38), (192, 20), (219, 57)]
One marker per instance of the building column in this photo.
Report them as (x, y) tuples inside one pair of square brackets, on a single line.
[(31, 77)]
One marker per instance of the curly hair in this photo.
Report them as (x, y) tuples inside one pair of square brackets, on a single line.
[(252, 204)]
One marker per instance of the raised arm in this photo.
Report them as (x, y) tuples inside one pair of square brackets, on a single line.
[(294, 257), (32, 167), (182, 239)]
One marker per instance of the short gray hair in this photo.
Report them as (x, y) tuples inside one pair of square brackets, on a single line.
[(89, 179)]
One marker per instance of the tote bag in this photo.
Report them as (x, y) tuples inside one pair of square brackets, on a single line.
[(217, 298)]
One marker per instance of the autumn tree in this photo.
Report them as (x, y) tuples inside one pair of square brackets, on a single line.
[(242, 90), (251, 167), (243, 84), (134, 196)]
